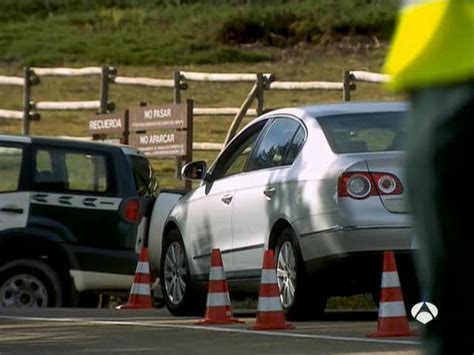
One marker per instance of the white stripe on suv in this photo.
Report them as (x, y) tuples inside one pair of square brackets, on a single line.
[(76, 201)]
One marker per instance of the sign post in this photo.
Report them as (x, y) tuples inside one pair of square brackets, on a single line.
[(175, 125), (139, 128)]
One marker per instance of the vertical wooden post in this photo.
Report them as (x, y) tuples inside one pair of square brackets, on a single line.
[(189, 139), (126, 128), (346, 90), (177, 86), (104, 89), (260, 93), (26, 101), (177, 100)]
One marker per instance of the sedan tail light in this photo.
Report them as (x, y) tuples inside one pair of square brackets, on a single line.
[(360, 185)]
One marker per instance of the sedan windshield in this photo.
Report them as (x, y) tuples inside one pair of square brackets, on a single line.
[(368, 132)]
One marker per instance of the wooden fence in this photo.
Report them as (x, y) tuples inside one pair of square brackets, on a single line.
[(181, 79)]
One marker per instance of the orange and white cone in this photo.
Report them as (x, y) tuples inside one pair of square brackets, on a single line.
[(140, 293), (393, 321), (270, 314), (218, 307)]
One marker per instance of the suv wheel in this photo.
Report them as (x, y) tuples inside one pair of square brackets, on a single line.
[(29, 283)]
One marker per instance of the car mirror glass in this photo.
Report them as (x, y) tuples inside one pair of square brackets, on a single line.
[(195, 171)]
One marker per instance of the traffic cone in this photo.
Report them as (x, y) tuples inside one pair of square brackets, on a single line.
[(218, 307), (270, 314), (393, 321), (140, 293)]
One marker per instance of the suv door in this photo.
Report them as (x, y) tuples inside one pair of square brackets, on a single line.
[(14, 203)]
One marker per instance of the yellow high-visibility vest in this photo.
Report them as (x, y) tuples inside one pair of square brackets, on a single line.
[(433, 44)]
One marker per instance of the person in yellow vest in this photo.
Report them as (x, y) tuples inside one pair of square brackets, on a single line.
[(432, 60)]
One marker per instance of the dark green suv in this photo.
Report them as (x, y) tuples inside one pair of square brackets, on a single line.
[(72, 217)]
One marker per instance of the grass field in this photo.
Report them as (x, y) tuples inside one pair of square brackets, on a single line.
[(153, 32)]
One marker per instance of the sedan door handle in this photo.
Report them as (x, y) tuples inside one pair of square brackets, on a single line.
[(12, 210), (269, 192), (227, 199)]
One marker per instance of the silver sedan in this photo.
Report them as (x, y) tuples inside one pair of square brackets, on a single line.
[(321, 185)]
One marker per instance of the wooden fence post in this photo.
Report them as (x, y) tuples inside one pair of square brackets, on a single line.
[(189, 139), (27, 75), (104, 89), (260, 93), (126, 128), (177, 100), (346, 90), (177, 86)]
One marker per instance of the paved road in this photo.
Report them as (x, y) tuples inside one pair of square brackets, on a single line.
[(103, 331)]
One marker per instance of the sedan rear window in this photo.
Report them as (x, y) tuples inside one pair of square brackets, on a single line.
[(370, 132)]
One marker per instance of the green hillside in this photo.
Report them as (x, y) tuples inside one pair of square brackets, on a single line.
[(157, 32)]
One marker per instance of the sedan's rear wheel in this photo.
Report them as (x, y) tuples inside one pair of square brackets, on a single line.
[(299, 297), (178, 290)]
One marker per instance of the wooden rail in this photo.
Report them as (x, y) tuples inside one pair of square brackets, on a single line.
[(159, 83), (242, 112), (15, 115), (12, 80), (221, 111), (305, 85), (197, 146), (67, 71), (222, 77), (368, 77), (67, 105)]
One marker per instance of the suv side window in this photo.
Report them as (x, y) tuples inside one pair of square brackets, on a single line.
[(61, 170), (10, 168), (86, 172), (273, 148)]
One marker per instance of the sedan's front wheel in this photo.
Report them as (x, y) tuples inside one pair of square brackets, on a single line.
[(176, 285), (299, 297)]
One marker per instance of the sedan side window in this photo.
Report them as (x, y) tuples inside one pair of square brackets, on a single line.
[(295, 146), (236, 163), (234, 159), (273, 149)]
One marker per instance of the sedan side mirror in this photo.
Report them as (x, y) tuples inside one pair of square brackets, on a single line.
[(195, 170)]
